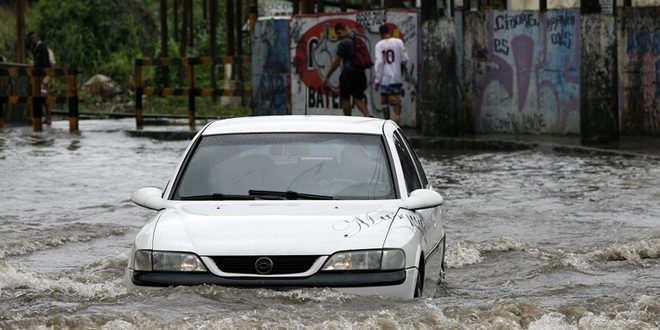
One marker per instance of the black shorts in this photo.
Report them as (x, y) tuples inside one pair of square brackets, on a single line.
[(352, 82)]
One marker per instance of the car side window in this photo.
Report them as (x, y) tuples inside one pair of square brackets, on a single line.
[(407, 164), (418, 165)]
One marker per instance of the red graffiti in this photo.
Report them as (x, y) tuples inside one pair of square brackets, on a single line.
[(317, 48)]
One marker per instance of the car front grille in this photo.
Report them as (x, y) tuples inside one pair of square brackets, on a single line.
[(280, 264)]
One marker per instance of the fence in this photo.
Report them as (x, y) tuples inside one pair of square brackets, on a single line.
[(35, 100), (191, 91)]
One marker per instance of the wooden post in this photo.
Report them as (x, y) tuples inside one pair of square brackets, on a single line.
[(37, 104), (229, 48), (184, 38), (239, 28), (175, 19), (239, 51), (254, 13), (138, 94), (191, 24), (205, 15), (72, 99), (191, 93), (163, 40), (213, 11), (20, 32), (229, 16)]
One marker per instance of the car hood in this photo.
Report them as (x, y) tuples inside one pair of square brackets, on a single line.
[(274, 227)]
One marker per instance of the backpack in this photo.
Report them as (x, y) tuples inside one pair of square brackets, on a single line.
[(362, 58)]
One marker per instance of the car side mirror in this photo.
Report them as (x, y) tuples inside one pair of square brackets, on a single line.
[(150, 198), (423, 199)]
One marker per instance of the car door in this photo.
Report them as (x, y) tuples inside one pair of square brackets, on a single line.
[(416, 179)]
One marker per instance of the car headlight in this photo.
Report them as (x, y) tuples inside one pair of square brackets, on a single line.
[(147, 260), (387, 259)]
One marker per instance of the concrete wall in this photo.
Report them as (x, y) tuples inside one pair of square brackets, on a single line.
[(270, 67), (522, 71), (439, 79), (639, 71), (598, 109), (313, 45), (554, 72)]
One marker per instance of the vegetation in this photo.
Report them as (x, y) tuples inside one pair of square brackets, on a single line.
[(106, 36), (97, 35)]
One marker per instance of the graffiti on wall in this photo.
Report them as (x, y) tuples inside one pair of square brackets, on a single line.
[(643, 69), (313, 45), (270, 67), (531, 84)]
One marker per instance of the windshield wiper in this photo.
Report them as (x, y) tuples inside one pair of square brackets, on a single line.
[(217, 197), (287, 194)]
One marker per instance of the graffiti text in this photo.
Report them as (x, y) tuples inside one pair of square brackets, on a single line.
[(371, 20), (507, 21), (318, 99)]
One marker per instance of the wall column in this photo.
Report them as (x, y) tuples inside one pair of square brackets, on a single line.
[(438, 103), (599, 119)]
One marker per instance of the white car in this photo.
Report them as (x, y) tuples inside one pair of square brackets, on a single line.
[(293, 201)]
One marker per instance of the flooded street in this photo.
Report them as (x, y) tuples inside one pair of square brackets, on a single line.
[(536, 240)]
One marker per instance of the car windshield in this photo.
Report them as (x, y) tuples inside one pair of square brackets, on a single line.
[(287, 166)]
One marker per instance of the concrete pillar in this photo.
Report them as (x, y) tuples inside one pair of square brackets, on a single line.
[(439, 94), (599, 120)]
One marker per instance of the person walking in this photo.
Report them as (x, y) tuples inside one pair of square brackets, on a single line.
[(352, 80), (41, 57), (391, 56)]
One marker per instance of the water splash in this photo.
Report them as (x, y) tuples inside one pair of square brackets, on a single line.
[(633, 252), (58, 236), (460, 254), (14, 277)]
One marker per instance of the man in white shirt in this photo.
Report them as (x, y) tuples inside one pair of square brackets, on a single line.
[(391, 55)]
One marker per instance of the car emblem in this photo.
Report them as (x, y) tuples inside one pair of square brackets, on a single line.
[(263, 265)]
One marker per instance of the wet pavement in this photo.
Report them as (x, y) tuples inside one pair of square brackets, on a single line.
[(543, 233)]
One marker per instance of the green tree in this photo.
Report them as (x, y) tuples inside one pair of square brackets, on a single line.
[(97, 36)]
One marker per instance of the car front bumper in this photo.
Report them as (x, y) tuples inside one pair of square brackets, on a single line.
[(396, 284), (316, 280)]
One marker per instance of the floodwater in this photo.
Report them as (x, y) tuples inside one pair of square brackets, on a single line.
[(536, 240)]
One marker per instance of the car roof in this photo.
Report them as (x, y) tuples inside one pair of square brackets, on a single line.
[(296, 123)]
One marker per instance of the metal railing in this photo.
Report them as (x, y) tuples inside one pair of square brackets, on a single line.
[(191, 91), (35, 99)]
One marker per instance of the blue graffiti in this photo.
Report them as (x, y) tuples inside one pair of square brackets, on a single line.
[(271, 68), (641, 41)]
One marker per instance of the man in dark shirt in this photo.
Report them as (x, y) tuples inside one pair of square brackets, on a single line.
[(352, 81), (41, 59), (39, 52)]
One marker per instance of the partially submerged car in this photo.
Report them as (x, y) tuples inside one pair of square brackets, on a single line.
[(293, 201)]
